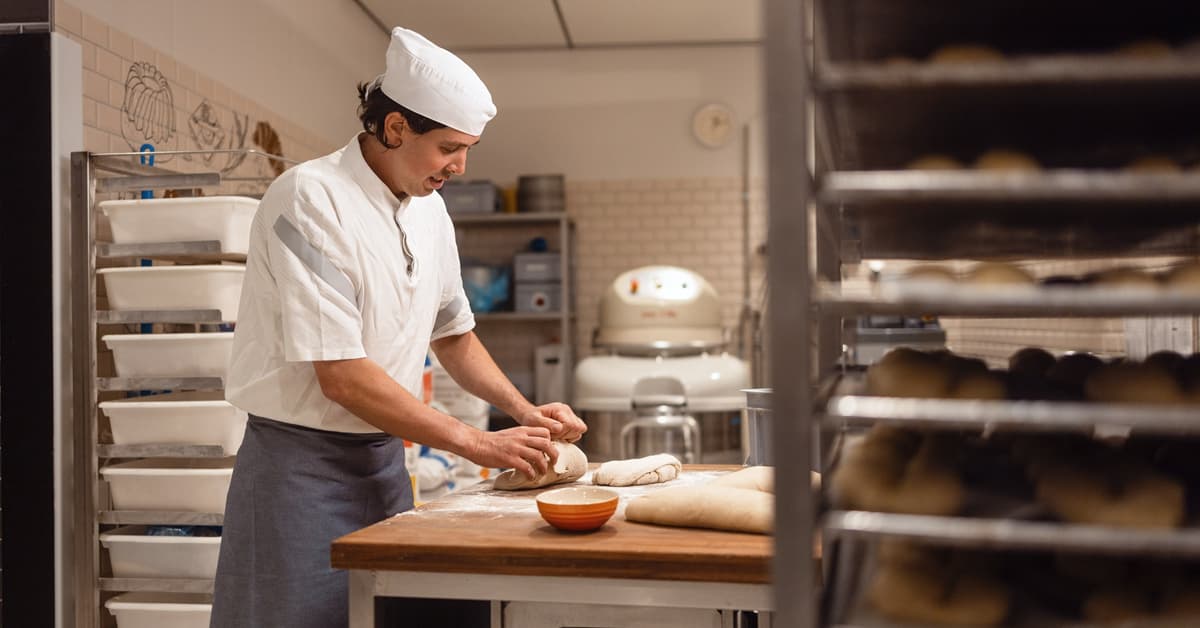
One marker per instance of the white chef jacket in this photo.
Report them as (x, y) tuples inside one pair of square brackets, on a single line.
[(338, 268)]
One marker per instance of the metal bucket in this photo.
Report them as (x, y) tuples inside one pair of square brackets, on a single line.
[(758, 424)]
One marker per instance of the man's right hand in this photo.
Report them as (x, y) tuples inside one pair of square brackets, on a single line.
[(526, 449)]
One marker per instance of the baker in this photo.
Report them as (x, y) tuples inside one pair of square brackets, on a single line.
[(352, 276)]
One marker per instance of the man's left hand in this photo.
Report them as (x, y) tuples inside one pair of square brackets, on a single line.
[(556, 417)]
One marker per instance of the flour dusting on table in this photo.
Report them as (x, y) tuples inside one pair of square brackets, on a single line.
[(482, 498)]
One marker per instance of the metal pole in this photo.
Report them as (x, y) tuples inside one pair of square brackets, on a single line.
[(789, 190)]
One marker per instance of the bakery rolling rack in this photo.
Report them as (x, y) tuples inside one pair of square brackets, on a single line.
[(839, 194), (110, 174)]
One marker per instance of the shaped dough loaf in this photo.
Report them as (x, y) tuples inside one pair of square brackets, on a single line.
[(638, 471), (571, 465), (716, 507)]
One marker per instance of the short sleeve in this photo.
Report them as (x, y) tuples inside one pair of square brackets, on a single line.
[(311, 259), (454, 315)]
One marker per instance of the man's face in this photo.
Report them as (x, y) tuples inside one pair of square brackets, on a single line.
[(423, 162)]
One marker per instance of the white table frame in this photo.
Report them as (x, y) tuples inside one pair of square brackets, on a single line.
[(366, 585)]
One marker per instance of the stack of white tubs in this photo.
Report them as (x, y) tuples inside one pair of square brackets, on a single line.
[(172, 486)]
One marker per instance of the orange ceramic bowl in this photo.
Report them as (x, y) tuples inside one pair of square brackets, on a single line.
[(577, 508)]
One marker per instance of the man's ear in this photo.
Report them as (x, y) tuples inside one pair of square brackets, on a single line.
[(394, 125)]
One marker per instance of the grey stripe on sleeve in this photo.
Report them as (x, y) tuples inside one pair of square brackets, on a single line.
[(450, 312), (312, 258)]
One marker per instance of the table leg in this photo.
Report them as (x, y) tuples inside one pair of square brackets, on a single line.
[(362, 599)]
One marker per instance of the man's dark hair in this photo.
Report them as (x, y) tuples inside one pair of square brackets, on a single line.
[(374, 107)]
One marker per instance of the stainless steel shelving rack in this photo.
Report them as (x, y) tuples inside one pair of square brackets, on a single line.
[(842, 123), (93, 173), (562, 226)]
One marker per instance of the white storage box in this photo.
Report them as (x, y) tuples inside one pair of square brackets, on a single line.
[(207, 287), (171, 355), (193, 418), (170, 484), (161, 610), (224, 218), (135, 555)]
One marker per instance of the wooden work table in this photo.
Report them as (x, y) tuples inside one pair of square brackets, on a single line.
[(499, 537)]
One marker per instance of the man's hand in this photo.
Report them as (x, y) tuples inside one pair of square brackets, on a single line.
[(526, 449), (558, 419)]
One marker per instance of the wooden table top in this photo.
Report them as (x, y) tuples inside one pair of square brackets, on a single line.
[(483, 531)]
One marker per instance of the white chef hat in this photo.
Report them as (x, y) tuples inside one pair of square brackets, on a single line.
[(433, 82)]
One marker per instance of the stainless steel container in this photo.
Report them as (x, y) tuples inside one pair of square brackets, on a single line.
[(758, 426), (720, 437)]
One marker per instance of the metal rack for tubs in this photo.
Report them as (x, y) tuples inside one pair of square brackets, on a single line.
[(844, 171), (100, 173)]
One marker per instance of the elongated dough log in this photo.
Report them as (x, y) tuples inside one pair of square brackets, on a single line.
[(638, 471), (715, 507), (752, 478), (571, 465)]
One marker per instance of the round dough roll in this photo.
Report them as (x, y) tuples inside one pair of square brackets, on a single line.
[(904, 372), (1125, 278), (924, 595), (1004, 160), (984, 385), (999, 273), (1154, 164), (1145, 49), (966, 53), (1184, 278), (1033, 361), (1128, 382), (1127, 497)]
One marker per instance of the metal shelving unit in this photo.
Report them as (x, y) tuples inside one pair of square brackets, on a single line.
[(838, 184), (93, 173), (519, 223)]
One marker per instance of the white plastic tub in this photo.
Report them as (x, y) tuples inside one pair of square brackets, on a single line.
[(224, 218), (171, 355), (135, 555), (194, 418), (170, 484), (160, 610), (211, 286)]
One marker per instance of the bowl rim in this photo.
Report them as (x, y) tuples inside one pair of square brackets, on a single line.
[(609, 495)]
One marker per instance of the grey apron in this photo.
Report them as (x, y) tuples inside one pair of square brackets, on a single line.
[(294, 491)]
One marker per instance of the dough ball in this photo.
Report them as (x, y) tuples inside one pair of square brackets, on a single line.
[(900, 471), (1184, 278), (904, 372), (1182, 604), (930, 272), (1116, 604), (1132, 383), (1007, 161), (999, 274), (1072, 370), (1126, 278), (966, 53), (1115, 495), (935, 162), (1032, 361), (1154, 164), (924, 595), (1145, 49), (571, 465), (1168, 361), (984, 385), (959, 365)]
